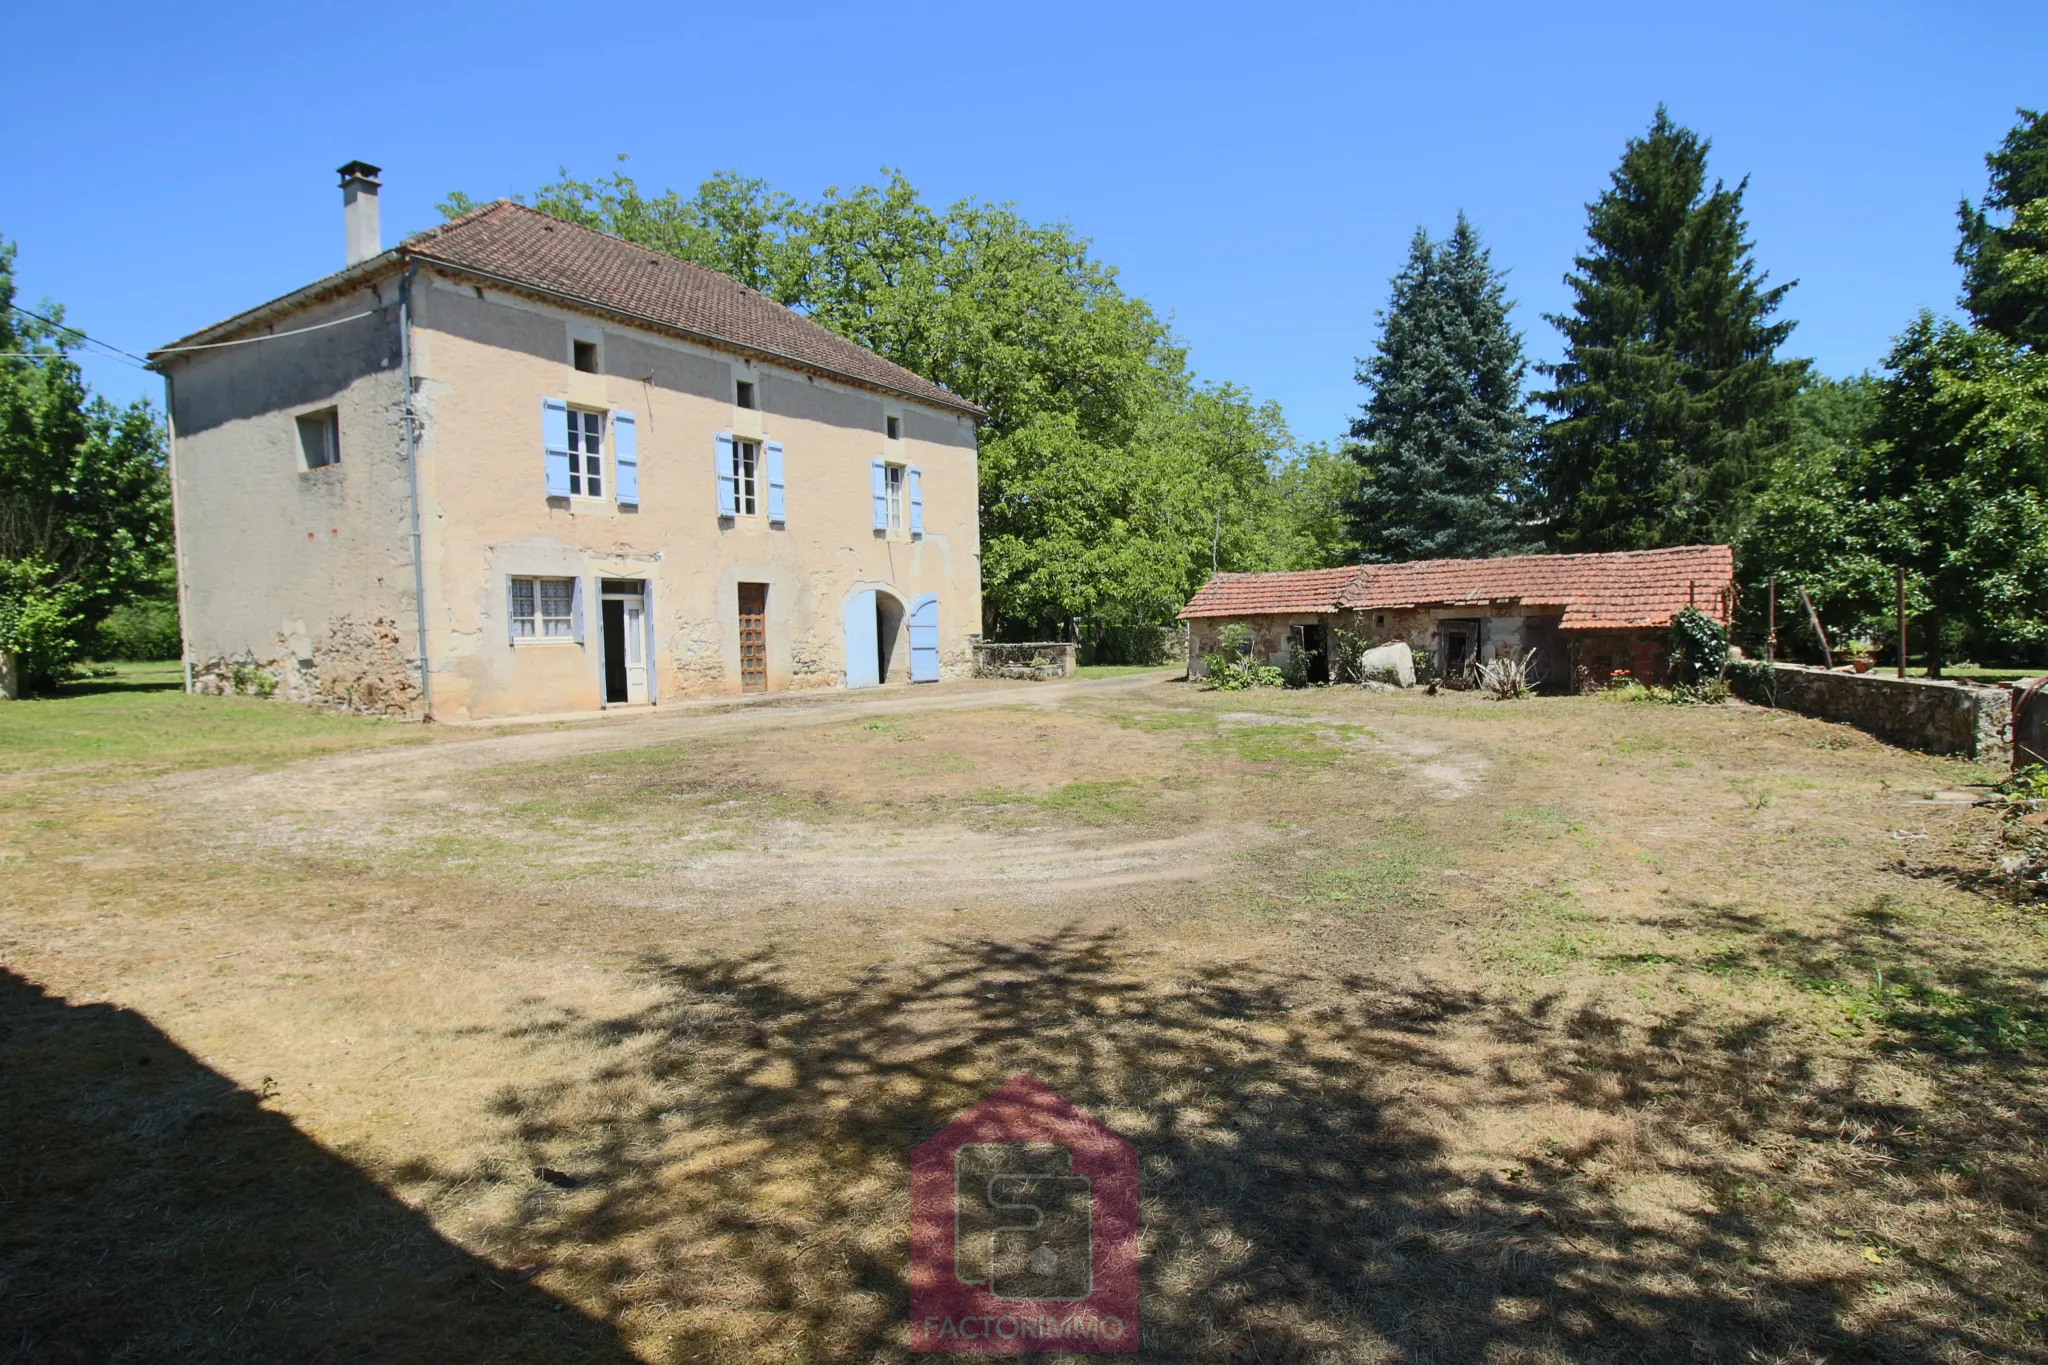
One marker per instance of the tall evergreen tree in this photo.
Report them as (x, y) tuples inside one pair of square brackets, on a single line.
[(2000, 291), (1443, 438), (1670, 398)]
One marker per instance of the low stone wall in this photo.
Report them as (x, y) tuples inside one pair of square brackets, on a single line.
[(1913, 713), (1032, 661)]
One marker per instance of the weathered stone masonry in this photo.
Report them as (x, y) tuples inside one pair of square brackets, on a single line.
[(1914, 713)]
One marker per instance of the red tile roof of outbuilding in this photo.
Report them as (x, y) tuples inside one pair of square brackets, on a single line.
[(1264, 594), (1592, 591)]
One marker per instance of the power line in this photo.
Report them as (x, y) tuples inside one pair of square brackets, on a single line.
[(270, 336), (139, 362)]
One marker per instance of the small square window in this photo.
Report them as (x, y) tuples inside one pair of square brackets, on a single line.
[(585, 356), (895, 427), (745, 394), (320, 439), (543, 608)]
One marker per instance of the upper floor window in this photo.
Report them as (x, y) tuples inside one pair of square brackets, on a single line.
[(743, 393), (586, 454), (897, 518), (584, 355), (893, 428), (746, 461), (320, 438)]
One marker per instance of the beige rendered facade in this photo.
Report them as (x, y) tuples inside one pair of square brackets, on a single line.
[(739, 520)]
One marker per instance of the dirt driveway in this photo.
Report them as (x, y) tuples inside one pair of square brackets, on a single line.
[(1445, 1029)]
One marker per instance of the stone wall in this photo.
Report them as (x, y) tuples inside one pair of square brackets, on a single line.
[(1033, 661), (1913, 713)]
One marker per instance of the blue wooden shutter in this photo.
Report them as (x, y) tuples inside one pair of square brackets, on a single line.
[(554, 444), (512, 612), (728, 477), (915, 478), (863, 665), (576, 609), (924, 639), (773, 453), (878, 481), (625, 460)]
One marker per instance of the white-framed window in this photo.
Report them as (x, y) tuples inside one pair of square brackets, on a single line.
[(320, 438), (899, 516), (586, 453), (746, 468), (543, 608)]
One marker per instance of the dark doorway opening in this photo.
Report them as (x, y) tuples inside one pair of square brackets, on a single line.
[(1460, 647), (888, 626), (615, 688), (1315, 642)]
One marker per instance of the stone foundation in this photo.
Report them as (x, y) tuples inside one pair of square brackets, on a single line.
[(1914, 713), (360, 667)]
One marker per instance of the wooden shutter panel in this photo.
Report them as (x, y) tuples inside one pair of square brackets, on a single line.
[(878, 481), (914, 477), (512, 612), (576, 609), (772, 455), (625, 459), (728, 477), (554, 443)]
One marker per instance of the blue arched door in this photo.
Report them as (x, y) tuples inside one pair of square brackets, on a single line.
[(924, 639)]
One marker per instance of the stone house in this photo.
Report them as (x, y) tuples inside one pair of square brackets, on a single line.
[(1587, 616), (513, 466)]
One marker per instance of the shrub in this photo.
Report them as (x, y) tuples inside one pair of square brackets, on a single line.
[(1294, 668), (143, 630), (39, 623), (1699, 648), (1509, 678)]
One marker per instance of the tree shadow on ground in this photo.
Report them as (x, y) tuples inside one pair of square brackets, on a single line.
[(150, 1209), (1316, 1182)]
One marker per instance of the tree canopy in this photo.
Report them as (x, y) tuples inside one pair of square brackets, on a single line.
[(1443, 439), (2004, 246), (1111, 478), (84, 506), (1670, 398)]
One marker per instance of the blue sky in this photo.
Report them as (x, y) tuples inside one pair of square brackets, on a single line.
[(1254, 170)]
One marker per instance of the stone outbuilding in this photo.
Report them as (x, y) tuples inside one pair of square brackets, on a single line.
[(1587, 616)]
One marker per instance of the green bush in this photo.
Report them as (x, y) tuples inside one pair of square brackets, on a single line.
[(1699, 648), (144, 630), (39, 623)]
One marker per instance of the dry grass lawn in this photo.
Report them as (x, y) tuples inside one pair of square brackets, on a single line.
[(1447, 1030)]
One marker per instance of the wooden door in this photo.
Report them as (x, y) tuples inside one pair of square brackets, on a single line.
[(753, 637)]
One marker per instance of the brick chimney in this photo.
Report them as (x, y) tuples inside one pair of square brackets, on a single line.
[(359, 186)]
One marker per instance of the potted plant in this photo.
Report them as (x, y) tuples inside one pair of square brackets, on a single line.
[(1861, 653)]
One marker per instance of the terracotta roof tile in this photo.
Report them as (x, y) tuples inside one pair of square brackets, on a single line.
[(1593, 591), (1257, 594), (524, 247)]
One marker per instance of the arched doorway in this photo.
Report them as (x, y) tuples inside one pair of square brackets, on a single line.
[(873, 623), (888, 630)]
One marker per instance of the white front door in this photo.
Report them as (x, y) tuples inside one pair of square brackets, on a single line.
[(636, 649)]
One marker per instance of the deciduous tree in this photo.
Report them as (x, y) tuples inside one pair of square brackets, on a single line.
[(84, 509)]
